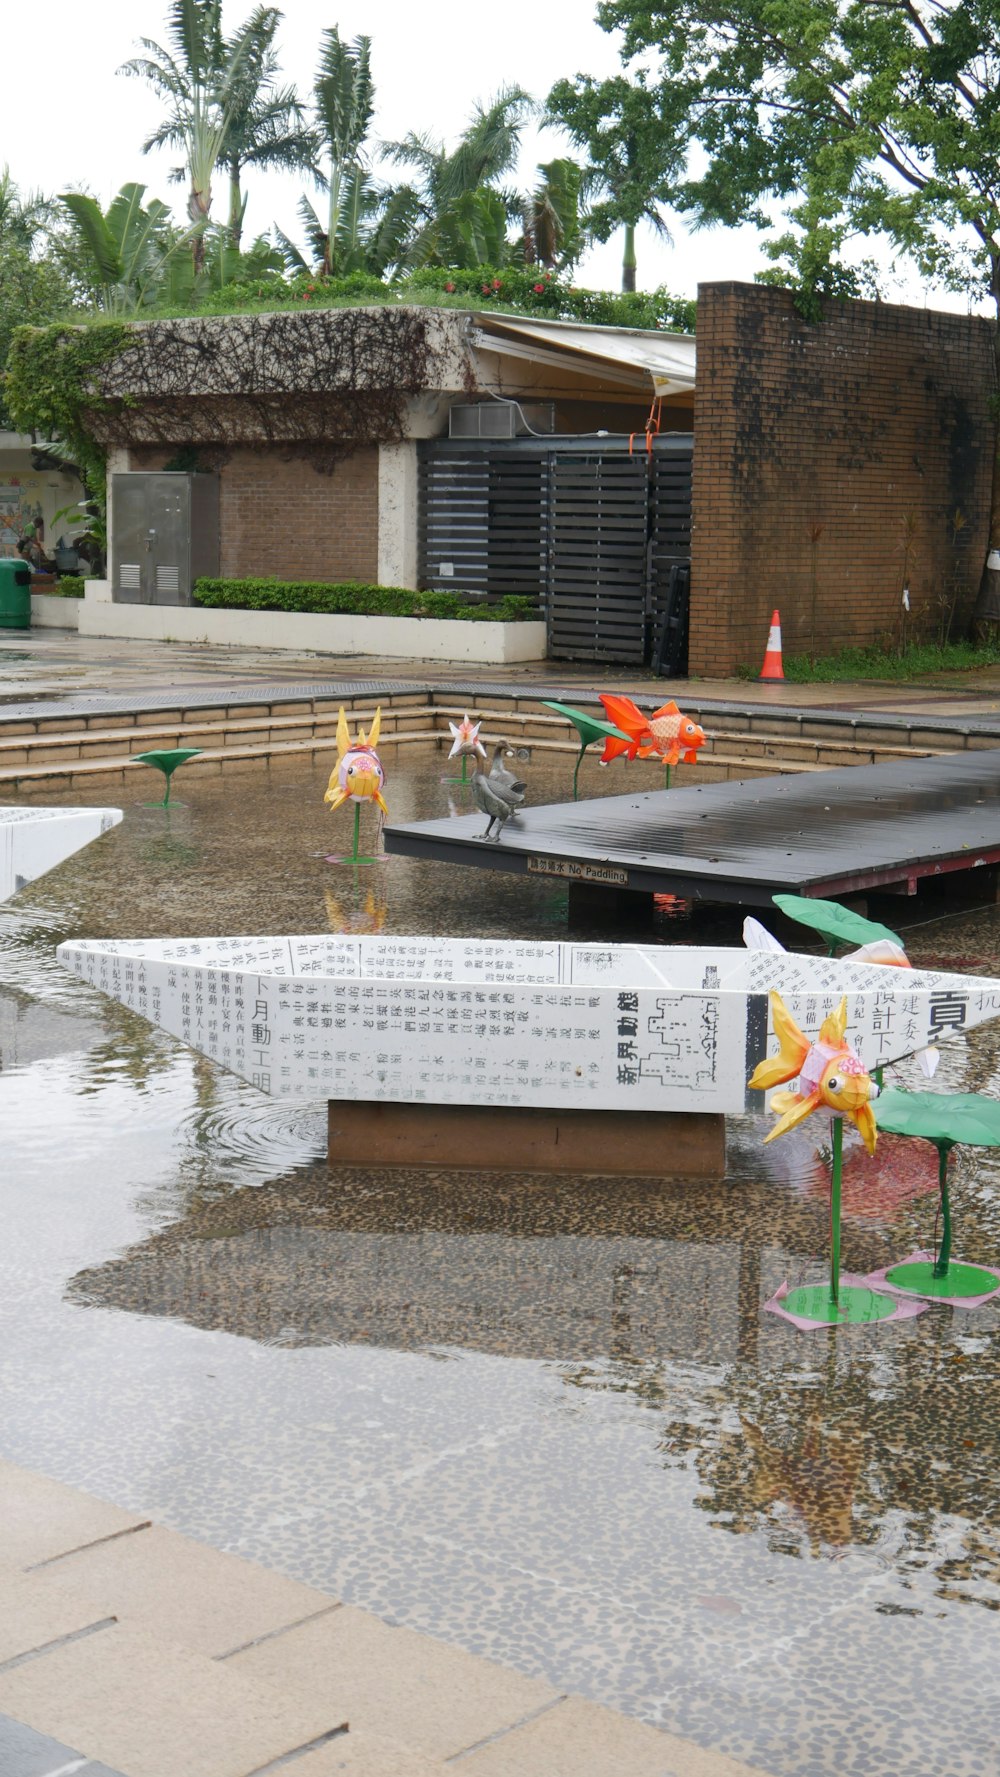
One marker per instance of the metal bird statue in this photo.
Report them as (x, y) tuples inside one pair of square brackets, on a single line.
[(499, 794)]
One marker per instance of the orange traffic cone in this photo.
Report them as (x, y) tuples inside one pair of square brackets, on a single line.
[(772, 668)]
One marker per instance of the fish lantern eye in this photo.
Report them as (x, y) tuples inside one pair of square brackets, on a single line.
[(834, 1083)]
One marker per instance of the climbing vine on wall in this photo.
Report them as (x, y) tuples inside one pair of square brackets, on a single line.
[(52, 375), (317, 385)]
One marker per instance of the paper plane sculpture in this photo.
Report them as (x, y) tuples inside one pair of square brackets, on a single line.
[(34, 840), (470, 1021)]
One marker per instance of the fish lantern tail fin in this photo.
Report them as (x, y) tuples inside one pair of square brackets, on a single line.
[(343, 734), (623, 714), (834, 1026), (794, 1047)]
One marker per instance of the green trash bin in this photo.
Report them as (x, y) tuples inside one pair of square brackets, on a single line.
[(15, 595)]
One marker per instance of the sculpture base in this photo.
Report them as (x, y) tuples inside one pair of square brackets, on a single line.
[(502, 1138)]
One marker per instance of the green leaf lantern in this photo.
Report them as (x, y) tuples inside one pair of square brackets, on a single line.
[(837, 924), (589, 728), (167, 762), (946, 1119)]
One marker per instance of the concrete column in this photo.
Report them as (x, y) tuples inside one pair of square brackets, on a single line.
[(397, 514), (118, 464)]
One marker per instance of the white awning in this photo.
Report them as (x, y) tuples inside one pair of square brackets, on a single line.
[(665, 360)]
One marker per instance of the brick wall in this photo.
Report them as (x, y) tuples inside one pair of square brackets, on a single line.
[(284, 519), (830, 460)]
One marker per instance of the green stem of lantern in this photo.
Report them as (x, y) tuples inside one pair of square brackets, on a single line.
[(357, 828), (837, 1136), (667, 786), (944, 1250), (166, 794), (465, 768), (576, 771)]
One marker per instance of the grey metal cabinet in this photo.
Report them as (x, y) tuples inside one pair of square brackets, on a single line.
[(164, 536)]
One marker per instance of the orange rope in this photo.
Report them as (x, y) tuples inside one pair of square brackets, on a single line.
[(652, 427)]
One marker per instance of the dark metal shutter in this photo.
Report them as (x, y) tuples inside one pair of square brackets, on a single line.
[(597, 561)]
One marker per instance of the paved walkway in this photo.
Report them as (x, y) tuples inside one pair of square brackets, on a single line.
[(50, 664), (127, 1650)]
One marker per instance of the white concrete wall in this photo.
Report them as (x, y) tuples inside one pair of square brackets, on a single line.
[(388, 638), (49, 612)]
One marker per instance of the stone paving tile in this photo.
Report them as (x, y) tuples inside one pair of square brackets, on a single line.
[(33, 1614), (366, 1755), (580, 1739), (185, 1591), (25, 1753), (40, 1518), (395, 1682), (153, 1709)]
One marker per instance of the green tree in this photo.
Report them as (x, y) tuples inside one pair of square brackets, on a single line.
[(344, 99), (33, 291), (198, 76), (266, 125), (634, 155), (25, 218), (553, 231), (461, 214), (120, 260), (878, 117)]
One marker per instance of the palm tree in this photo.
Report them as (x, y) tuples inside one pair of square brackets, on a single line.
[(23, 217), (266, 125), (553, 232), (344, 102), (455, 194), (634, 156), (199, 78)]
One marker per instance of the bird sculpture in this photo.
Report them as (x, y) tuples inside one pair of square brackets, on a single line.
[(499, 794)]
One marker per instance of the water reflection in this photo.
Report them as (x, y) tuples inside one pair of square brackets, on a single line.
[(542, 1418)]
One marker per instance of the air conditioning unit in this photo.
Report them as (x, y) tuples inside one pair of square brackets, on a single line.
[(501, 419)]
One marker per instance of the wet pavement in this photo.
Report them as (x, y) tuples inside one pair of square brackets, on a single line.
[(542, 1419), (49, 665)]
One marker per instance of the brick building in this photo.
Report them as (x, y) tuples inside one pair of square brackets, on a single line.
[(835, 464)]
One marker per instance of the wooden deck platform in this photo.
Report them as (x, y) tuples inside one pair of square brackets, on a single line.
[(826, 833)]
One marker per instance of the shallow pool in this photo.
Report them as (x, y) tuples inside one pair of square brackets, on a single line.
[(541, 1418)]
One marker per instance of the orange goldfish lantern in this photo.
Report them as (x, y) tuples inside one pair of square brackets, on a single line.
[(667, 733), (828, 1072)]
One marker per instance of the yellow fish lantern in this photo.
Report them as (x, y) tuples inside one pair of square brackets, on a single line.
[(828, 1071), (358, 775)]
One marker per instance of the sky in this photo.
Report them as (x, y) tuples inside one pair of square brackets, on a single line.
[(70, 121)]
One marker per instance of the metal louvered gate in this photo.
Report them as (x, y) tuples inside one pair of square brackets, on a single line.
[(588, 530)]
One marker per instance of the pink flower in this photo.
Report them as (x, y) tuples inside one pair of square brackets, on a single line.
[(497, 284), (450, 289), (539, 289)]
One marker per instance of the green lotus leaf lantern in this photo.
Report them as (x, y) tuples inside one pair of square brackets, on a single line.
[(167, 762), (837, 924), (947, 1120), (589, 728)]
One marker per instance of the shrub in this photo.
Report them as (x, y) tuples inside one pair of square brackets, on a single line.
[(354, 598), (68, 586)]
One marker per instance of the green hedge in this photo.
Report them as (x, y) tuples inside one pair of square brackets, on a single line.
[(353, 598), (68, 586)]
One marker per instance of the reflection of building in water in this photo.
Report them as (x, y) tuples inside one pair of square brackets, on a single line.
[(297, 1267), (31, 1031)]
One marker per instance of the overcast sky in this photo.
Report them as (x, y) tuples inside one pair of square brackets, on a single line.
[(69, 120)]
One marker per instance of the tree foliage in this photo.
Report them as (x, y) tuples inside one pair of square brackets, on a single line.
[(868, 116), (634, 151)]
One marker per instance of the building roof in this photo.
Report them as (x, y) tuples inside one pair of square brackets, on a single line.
[(666, 360)]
